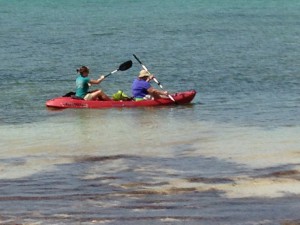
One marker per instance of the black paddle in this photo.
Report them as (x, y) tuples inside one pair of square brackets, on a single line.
[(124, 66), (155, 80)]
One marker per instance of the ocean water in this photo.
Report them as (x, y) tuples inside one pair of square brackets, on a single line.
[(230, 157)]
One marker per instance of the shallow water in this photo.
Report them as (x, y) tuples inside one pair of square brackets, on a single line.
[(230, 157), (144, 166)]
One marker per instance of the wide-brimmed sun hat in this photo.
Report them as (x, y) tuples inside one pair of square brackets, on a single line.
[(144, 73)]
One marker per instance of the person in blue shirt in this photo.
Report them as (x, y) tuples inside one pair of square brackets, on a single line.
[(83, 83), (142, 90)]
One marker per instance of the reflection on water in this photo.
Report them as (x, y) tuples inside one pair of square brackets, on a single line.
[(147, 166)]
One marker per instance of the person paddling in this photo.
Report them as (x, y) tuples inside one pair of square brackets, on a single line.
[(82, 86), (142, 89)]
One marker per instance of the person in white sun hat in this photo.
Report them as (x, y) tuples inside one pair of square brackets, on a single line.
[(142, 89)]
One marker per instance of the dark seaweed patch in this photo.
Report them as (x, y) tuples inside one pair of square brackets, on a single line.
[(88, 159), (209, 180)]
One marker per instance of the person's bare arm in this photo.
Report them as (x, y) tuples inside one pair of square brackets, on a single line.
[(154, 92), (98, 80)]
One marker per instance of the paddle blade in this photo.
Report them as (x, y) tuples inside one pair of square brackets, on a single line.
[(125, 65)]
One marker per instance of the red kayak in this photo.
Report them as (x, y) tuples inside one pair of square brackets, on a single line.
[(69, 102)]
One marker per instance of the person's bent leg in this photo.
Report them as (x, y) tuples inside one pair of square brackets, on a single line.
[(95, 94), (88, 96), (100, 95), (103, 96)]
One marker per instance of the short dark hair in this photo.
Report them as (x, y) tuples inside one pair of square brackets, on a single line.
[(83, 69)]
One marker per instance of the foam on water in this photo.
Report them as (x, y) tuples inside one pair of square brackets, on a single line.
[(241, 187)]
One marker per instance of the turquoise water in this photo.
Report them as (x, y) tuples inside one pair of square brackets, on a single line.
[(231, 157)]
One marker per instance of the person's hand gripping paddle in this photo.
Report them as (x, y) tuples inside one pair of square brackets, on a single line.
[(155, 80)]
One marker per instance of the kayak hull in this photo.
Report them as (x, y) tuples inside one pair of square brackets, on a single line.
[(69, 102)]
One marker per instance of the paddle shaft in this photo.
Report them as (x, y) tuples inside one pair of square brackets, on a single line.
[(111, 73), (155, 80)]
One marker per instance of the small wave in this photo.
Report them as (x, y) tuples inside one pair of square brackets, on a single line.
[(88, 159), (103, 34)]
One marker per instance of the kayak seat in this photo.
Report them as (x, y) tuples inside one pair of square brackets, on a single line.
[(76, 97), (72, 95), (69, 94)]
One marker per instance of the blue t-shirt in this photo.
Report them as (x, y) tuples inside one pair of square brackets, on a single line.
[(139, 88), (82, 86)]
